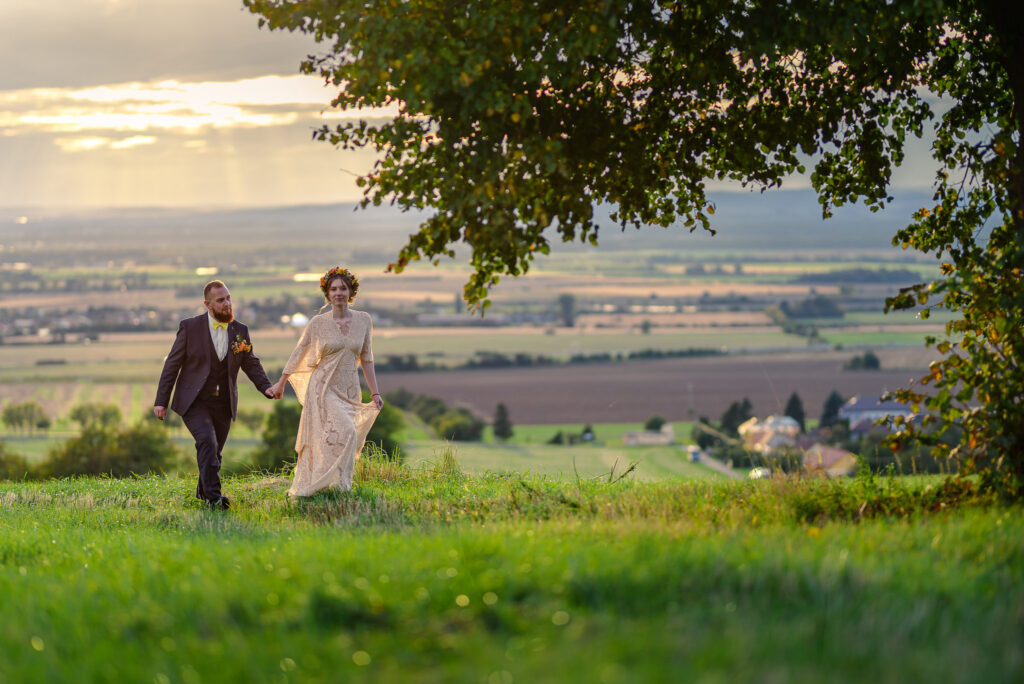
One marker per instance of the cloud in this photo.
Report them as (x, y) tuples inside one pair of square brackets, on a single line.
[(230, 166), (81, 144), (88, 143), (162, 103), (62, 43), (170, 105)]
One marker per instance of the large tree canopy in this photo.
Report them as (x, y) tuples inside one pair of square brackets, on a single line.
[(517, 116)]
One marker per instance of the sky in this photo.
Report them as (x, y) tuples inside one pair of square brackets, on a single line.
[(160, 103), (174, 103)]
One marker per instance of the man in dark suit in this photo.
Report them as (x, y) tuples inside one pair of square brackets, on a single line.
[(203, 363)]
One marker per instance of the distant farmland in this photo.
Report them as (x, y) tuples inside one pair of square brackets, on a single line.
[(678, 389)]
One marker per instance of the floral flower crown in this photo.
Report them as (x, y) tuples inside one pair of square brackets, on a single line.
[(337, 272)]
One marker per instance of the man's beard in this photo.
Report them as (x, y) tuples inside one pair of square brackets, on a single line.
[(223, 318)]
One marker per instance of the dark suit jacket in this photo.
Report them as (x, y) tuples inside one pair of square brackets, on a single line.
[(188, 364)]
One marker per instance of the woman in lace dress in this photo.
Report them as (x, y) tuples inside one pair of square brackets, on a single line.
[(324, 371)]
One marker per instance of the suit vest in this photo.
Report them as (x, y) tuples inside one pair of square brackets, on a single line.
[(216, 385)]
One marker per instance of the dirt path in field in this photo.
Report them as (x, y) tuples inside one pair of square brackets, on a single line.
[(719, 467)]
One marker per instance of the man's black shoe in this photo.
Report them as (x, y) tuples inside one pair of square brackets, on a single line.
[(221, 504)]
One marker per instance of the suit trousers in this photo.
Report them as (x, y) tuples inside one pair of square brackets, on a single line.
[(209, 420)]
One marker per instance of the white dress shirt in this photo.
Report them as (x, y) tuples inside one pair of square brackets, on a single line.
[(219, 337)]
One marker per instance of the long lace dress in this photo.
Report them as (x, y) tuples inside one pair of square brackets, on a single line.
[(324, 371)]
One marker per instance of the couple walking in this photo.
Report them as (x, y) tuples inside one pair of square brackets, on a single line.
[(202, 370)]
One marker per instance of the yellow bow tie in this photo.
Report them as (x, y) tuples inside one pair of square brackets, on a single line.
[(223, 326)]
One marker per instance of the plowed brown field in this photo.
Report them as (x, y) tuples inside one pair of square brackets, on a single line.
[(678, 389)]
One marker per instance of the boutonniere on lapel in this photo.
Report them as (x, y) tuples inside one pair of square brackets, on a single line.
[(240, 346)]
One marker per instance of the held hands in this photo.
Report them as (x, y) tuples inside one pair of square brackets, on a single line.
[(276, 391)]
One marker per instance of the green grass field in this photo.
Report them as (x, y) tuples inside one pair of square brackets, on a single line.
[(838, 337), (526, 451), (609, 434), (434, 575), (588, 461)]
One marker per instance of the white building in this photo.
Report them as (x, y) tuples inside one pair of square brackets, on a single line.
[(666, 435)]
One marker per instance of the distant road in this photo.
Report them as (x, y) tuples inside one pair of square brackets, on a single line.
[(718, 466), (678, 389)]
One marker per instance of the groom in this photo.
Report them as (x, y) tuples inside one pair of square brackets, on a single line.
[(204, 363)]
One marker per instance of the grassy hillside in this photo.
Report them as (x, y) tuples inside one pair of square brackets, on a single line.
[(434, 575), (652, 463)]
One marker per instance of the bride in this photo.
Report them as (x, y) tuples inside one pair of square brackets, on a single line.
[(324, 371)]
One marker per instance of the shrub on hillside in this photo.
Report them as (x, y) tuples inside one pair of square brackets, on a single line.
[(704, 439), (866, 361), (738, 457), (795, 410), (912, 459), (785, 460), (448, 423), (654, 423), (24, 416), (401, 398), (96, 415), (428, 408), (502, 424), (252, 419), (12, 466), (830, 410), (459, 425), (278, 448), (104, 450), (384, 433), (813, 307), (143, 448), (738, 413)]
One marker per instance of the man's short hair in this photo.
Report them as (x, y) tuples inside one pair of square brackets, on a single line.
[(209, 286)]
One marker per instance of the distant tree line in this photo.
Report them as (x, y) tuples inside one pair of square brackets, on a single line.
[(570, 438), (790, 317), (52, 281), (860, 275), (818, 306), (866, 361), (408, 363), (711, 269), (27, 416)]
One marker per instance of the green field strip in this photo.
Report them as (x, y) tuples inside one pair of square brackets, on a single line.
[(138, 407)]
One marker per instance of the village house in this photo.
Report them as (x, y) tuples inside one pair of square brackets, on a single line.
[(861, 413), (768, 435), (829, 461), (663, 437)]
